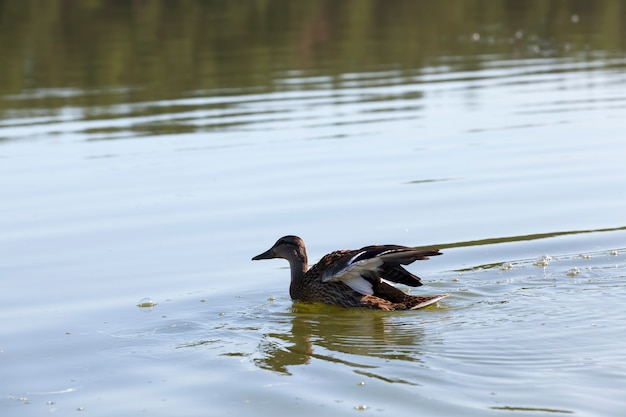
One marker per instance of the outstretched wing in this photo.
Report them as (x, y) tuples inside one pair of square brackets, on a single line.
[(362, 269)]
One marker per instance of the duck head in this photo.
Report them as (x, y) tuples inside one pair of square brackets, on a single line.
[(287, 247)]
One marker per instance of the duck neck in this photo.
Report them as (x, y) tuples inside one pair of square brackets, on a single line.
[(298, 265)]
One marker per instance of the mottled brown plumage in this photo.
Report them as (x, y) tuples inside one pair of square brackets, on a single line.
[(353, 278)]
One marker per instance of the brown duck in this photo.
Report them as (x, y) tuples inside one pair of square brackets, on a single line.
[(353, 278)]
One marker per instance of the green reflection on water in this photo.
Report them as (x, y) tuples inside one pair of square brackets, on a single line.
[(163, 48)]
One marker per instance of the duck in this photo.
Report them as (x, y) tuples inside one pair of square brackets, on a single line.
[(354, 278)]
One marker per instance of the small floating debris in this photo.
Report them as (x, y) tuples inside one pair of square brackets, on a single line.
[(146, 303), (506, 266), (360, 407), (613, 253), (572, 272), (543, 261)]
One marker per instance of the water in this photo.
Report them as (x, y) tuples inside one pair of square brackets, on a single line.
[(155, 154)]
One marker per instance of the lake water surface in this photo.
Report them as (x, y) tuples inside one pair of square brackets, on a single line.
[(148, 150)]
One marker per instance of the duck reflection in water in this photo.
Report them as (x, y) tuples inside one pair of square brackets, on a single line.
[(320, 332)]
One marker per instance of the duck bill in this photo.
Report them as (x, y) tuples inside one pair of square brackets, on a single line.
[(265, 255)]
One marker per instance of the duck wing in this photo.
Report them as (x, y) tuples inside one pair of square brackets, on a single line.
[(364, 268)]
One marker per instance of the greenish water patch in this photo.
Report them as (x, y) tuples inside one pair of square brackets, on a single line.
[(508, 239), (545, 410)]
